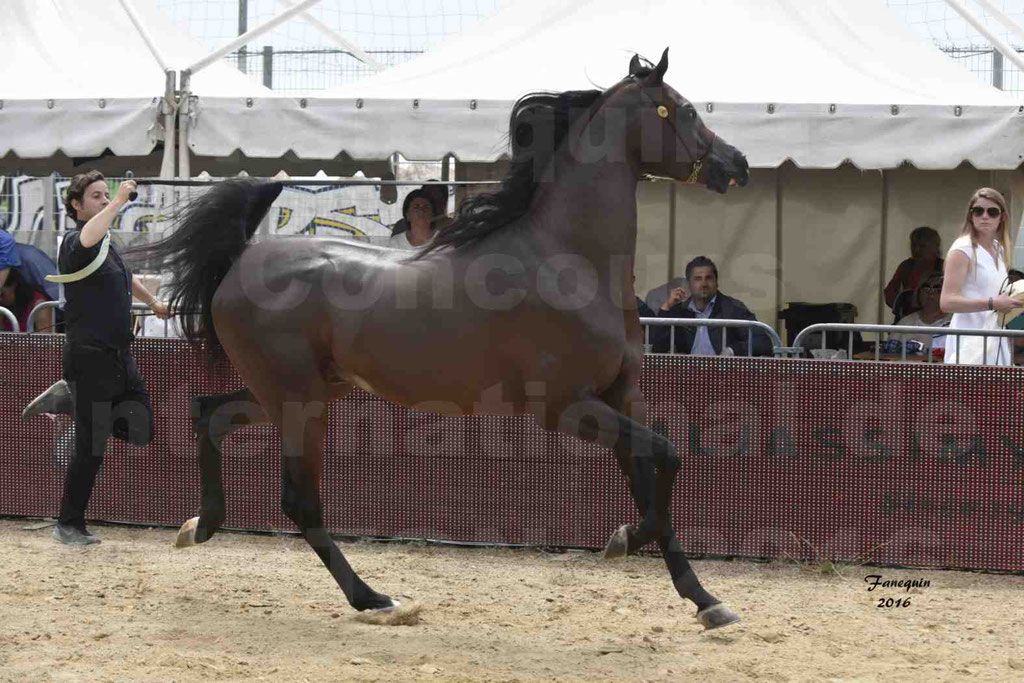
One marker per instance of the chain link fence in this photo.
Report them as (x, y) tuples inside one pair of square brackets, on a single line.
[(989, 66), (300, 56)]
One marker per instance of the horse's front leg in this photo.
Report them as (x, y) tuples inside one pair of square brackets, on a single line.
[(302, 447), (650, 464)]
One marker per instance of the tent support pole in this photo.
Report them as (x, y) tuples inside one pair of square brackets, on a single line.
[(981, 28), (169, 106), (49, 224), (672, 198), (250, 36), (184, 112), (144, 34), (778, 248), (337, 38), (885, 241), (1012, 26)]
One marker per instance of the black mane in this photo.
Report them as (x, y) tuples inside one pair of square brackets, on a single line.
[(537, 127)]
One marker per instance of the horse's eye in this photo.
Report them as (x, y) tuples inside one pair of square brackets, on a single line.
[(692, 113)]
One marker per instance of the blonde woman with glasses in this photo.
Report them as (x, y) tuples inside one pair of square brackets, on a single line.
[(975, 270)]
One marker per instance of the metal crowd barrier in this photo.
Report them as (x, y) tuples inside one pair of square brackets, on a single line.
[(30, 325), (724, 323), (11, 319), (824, 328)]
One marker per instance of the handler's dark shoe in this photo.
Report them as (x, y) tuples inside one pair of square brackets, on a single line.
[(56, 400), (69, 535)]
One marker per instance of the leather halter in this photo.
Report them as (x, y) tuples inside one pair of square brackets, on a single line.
[(698, 164)]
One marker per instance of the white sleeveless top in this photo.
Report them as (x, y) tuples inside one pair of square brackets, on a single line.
[(984, 278)]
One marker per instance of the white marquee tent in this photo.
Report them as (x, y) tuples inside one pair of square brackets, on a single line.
[(77, 76), (815, 81), (801, 86), (858, 132)]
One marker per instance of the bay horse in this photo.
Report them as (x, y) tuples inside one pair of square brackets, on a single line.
[(524, 304)]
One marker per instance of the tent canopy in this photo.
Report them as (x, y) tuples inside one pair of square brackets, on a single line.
[(62, 57), (820, 82)]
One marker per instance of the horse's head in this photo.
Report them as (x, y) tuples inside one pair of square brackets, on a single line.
[(670, 136)]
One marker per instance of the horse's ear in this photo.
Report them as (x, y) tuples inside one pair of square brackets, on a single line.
[(260, 198), (634, 65), (659, 71)]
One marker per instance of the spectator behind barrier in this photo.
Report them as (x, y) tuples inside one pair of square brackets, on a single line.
[(1013, 275), (18, 296), (975, 273), (925, 247), (421, 217), (929, 314), (705, 301), (8, 256)]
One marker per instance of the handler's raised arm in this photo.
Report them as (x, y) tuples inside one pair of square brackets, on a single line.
[(96, 229)]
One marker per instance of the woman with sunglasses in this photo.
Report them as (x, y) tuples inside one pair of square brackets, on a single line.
[(974, 272)]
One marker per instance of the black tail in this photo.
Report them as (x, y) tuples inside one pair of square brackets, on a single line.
[(205, 238)]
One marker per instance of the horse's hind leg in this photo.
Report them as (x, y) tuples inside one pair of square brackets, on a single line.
[(302, 446), (214, 417)]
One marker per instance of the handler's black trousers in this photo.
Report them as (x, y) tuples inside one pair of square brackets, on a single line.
[(110, 400)]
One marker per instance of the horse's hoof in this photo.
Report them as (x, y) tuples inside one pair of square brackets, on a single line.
[(395, 604), (187, 534), (397, 614), (716, 616), (618, 544)]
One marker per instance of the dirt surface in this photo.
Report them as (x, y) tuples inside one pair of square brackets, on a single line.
[(248, 607)]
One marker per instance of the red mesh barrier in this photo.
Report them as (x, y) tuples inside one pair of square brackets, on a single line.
[(815, 460)]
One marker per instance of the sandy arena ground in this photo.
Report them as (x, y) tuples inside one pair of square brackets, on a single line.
[(246, 607)]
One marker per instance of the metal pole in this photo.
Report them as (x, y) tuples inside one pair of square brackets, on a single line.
[(671, 231), (778, 251), (997, 69), (184, 107), (992, 38), (1012, 26), (268, 66), (243, 27), (338, 39), (249, 36), (49, 190), (6, 313), (170, 109), (144, 34), (885, 238)]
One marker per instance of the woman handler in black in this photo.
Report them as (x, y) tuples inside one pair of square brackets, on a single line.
[(100, 375)]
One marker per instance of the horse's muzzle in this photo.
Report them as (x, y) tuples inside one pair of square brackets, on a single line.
[(727, 169)]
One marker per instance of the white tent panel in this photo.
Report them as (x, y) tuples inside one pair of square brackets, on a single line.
[(737, 232), (801, 56), (38, 128), (77, 76), (324, 127), (797, 51)]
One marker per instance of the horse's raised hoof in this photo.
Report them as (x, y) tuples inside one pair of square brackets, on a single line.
[(618, 544), (716, 616), (187, 534)]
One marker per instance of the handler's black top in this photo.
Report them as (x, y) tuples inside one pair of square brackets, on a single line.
[(97, 310)]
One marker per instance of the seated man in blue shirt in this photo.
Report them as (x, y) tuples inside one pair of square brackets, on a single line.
[(705, 301)]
